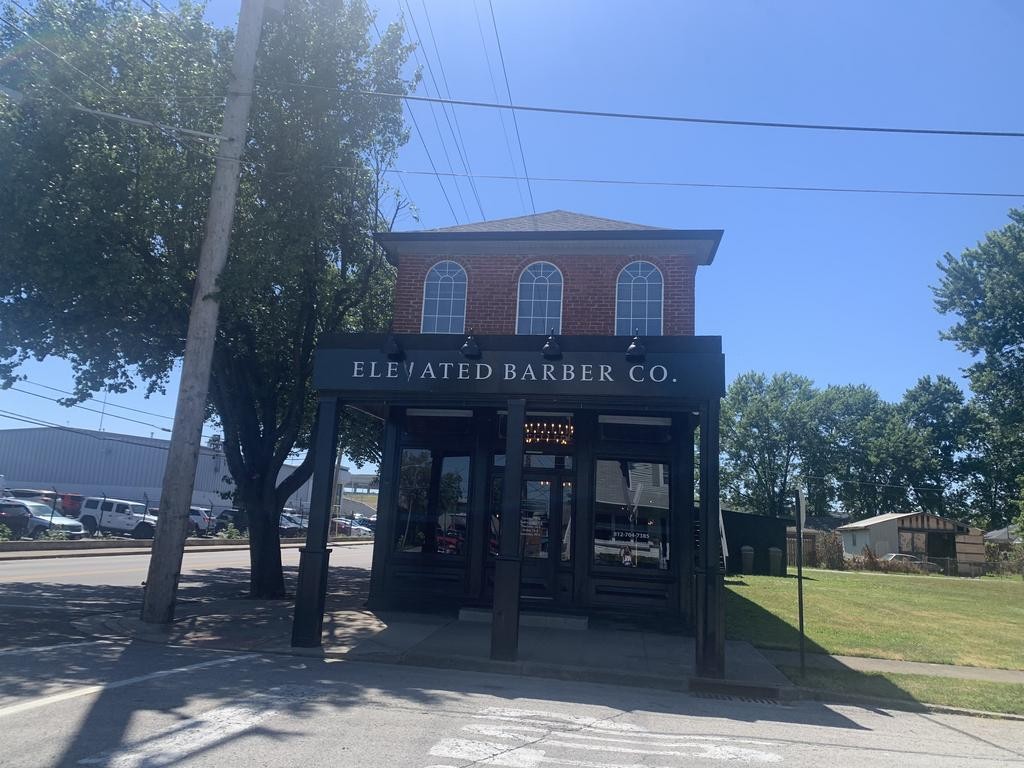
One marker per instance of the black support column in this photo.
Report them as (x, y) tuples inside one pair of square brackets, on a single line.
[(311, 592), (505, 620), (710, 608)]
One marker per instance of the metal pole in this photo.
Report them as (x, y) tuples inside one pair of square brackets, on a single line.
[(800, 507), (186, 437)]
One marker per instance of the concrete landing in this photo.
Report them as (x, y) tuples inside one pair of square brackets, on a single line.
[(528, 619)]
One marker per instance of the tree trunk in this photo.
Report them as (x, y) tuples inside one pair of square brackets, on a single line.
[(266, 578)]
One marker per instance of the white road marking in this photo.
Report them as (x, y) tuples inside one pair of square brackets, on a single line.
[(44, 648), (535, 738), (202, 732), (88, 690), (527, 733)]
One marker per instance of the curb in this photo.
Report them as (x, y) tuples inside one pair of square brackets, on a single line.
[(103, 626), (826, 697), (28, 554)]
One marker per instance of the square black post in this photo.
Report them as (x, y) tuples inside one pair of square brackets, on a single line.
[(710, 614), (507, 567), (311, 592)]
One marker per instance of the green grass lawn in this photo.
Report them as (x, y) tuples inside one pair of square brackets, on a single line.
[(975, 622), (909, 689)]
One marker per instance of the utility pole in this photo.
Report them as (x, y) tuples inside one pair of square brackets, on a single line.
[(190, 412)]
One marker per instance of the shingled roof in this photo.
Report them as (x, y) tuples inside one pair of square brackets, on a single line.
[(549, 221)]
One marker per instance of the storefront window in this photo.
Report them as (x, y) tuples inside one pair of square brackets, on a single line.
[(433, 495), (631, 514)]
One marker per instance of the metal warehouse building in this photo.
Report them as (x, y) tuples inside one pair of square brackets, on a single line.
[(108, 464)]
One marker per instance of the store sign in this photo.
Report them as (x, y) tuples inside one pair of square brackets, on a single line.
[(518, 372)]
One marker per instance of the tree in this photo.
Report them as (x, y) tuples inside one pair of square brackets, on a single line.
[(984, 288), (764, 426), (100, 221)]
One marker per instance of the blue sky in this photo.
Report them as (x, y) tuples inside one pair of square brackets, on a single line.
[(832, 286)]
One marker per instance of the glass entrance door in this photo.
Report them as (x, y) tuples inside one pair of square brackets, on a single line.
[(545, 524), (545, 532)]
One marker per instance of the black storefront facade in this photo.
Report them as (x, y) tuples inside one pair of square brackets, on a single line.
[(532, 473)]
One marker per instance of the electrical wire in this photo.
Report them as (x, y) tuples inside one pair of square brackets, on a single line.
[(109, 405), (712, 185), (433, 113), (463, 152), (91, 410), (703, 120), (494, 90), (515, 120), (419, 133)]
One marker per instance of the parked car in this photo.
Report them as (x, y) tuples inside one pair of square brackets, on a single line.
[(912, 561), (201, 521), (117, 516), (16, 516), (346, 526), (44, 518), (291, 527), (236, 517)]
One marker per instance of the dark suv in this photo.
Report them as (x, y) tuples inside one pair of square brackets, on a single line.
[(236, 517), (16, 516)]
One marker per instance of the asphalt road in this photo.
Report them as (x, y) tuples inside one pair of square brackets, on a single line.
[(70, 700), (136, 705), (40, 599)]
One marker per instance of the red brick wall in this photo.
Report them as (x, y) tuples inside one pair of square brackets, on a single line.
[(588, 294)]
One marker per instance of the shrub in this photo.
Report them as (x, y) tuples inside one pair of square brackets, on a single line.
[(230, 532), (830, 551), (5, 533), (54, 534)]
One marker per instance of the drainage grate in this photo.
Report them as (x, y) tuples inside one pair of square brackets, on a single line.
[(743, 699)]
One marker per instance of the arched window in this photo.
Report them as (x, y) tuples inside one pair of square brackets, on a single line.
[(638, 300), (444, 299), (540, 299)]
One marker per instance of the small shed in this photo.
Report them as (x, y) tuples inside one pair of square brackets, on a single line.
[(923, 535)]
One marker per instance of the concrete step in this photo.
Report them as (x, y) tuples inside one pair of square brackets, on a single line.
[(528, 619)]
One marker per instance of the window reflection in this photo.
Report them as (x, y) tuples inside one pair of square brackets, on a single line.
[(433, 493), (631, 514)]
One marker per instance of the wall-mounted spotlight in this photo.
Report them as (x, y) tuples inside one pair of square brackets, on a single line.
[(470, 348), (551, 350), (636, 351), (393, 349)]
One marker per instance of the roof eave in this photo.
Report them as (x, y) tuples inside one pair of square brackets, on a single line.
[(397, 243)]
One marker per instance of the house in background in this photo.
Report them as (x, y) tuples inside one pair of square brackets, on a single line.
[(923, 535)]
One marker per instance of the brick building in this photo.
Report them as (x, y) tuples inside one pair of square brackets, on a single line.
[(597, 261), (540, 391)]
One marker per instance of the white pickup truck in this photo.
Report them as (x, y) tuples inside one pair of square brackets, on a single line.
[(117, 516)]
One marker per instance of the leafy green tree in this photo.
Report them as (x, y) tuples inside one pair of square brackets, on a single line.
[(764, 427), (936, 410), (983, 288), (101, 222)]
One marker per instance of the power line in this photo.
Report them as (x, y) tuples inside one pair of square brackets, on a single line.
[(494, 90), (416, 126), (109, 405), (91, 410), (464, 153), (83, 432), (702, 120), (433, 113), (515, 120), (712, 185)]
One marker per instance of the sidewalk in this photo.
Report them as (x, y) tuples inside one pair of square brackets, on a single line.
[(604, 655), (861, 664), (129, 549)]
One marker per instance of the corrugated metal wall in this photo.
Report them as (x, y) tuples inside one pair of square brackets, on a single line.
[(108, 464)]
